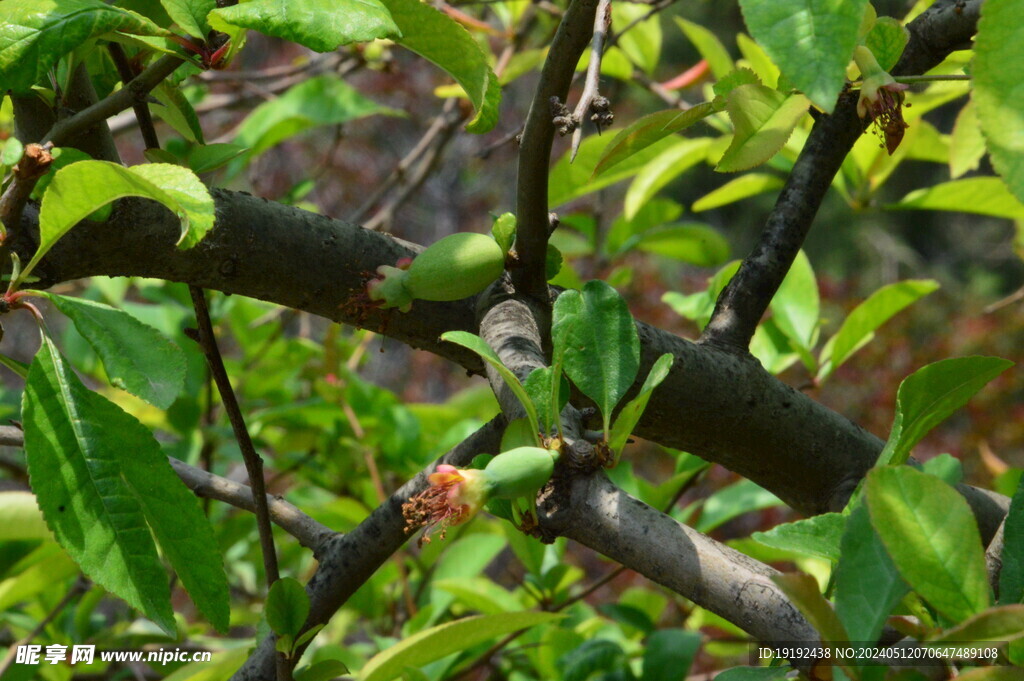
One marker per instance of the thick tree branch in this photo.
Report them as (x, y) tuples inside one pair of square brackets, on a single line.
[(946, 26), (717, 404), (349, 560), (574, 33)]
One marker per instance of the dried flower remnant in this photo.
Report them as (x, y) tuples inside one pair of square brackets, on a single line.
[(881, 99)]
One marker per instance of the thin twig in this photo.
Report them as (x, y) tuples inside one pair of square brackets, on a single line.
[(132, 92), (441, 124), (285, 515), (253, 461), (35, 162), (141, 107), (590, 98), (532, 231)]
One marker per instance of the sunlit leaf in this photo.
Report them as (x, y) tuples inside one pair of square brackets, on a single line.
[(763, 120)]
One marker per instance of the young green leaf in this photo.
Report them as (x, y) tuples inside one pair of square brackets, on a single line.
[(867, 584), (547, 397), (763, 120), (930, 533), (927, 397), (630, 415), (859, 327), (174, 109), (37, 33), (646, 131), (796, 305), (79, 189), (966, 143), (287, 607), (321, 100), (1011, 576), (691, 242), (812, 41), (324, 670), (818, 535), (709, 47), (100, 477), (137, 357), (642, 43), (596, 333), (22, 519), (205, 158), (480, 347), (12, 152), (662, 169), (190, 15), (738, 189), (886, 40), (979, 195), (445, 639), (1004, 623), (996, 92), (320, 25), (439, 39), (733, 501), (504, 231)]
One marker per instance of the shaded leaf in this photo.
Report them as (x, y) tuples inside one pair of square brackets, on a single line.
[(966, 143), (803, 591), (886, 40), (287, 607), (668, 654), (692, 242), (662, 169), (190, 15), (1011, 575), (630, 414), (819, 536), (709, 47), (1004, 623)]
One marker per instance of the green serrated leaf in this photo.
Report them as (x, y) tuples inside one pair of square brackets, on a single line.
[(886, 40), (439, 39), (867, 584), (322, 100), (646, 131), (190, 15), (732, 81), (287, 607), (191, 195), (816, 536), (80, 188), (709, 46), (811, 41), (630, 415), (930, 533), (35, 34), (859, 327), (966, 143), (596, 336), (738, 189), (480, 347), (927, 397), (137, 357), (114, 479), (980, 195), (444, 639), (997, 94), (759, 60), (73, 438), (320, 25), (539, 386), (763, 120)]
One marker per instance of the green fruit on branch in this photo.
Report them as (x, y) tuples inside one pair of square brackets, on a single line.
[(457, 266)]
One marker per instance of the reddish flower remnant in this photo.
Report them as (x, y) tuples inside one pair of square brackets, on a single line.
[(454, 496)]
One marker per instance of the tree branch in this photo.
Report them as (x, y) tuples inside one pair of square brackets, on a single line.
[(574, 33), (717, 404), (944, 27), (347, 561)]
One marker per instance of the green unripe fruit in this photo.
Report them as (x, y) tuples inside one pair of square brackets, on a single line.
[(457, 266), (519, 472)]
